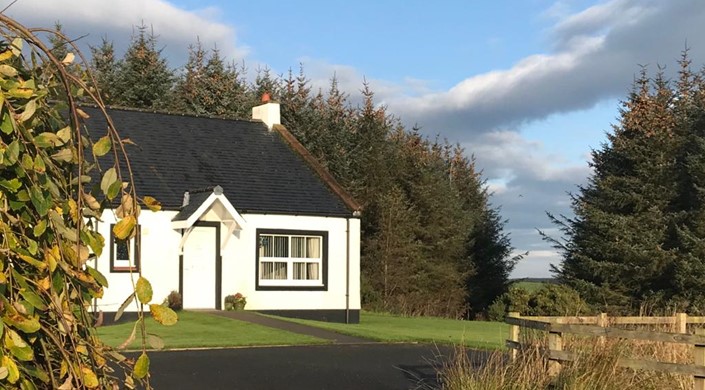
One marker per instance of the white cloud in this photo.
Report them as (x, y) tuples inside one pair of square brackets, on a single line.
[(175, 27)]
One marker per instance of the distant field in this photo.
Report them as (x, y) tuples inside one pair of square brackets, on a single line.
[(528, 286)]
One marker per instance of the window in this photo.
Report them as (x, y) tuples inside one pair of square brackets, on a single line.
[(291, 259), (124, 254)]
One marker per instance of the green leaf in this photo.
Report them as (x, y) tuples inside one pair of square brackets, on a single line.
[(97, 276), (114, 190), (33, 299), (144, 290), (39, 228), (40, 201), (94, 240), (46, 140), (141, 366), (124, 306), (109, 177), (163, 315), (25, 324), (13, 152), (6, 126), (18, 347), (29, 110), (39, 165), (102, 147), (124, 227), (65, 155), (13, 184)]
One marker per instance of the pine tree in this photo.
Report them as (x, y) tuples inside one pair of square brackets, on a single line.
[(144, 80), (104, 68)]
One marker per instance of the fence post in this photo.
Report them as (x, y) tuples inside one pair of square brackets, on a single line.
[(555, 343), (602, 322), (699, 355), (681, 323), (513, 334)]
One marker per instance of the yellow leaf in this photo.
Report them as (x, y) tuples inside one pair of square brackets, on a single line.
[(124, 227), (22, 93), (64, 134), (7, 70), (151, 203), (52, 256), (68, 59), (102, 147), (29, 110), (141, 366), (5, 55), (91, 201), (90, 380), (143, 289), (126, 206), (163, 314), (13, 374), (82, 113)]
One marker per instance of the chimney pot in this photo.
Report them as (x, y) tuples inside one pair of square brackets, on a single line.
[(266, 97)]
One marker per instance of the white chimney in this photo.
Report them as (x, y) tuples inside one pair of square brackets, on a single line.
[(268, 112)]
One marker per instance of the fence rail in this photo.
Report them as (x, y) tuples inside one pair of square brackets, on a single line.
[(598, 326)]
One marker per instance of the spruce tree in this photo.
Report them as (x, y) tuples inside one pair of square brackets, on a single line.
[(104, 67), (144, 80), (636, 240)]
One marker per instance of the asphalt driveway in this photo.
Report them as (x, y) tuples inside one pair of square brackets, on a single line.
[(363, 366)]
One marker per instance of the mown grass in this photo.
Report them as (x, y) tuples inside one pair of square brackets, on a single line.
[(391, 328), (197, 330)]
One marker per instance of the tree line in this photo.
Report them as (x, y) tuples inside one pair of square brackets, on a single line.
[(432, 243), (637, 240)]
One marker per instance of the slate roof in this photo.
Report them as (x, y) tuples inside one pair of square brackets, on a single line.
[(258, 170)]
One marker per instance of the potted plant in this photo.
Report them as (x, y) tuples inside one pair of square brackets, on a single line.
[(235, 302)]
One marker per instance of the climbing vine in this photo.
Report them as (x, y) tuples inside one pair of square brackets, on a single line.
[(55, 183)]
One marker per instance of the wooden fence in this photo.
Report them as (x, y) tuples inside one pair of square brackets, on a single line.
[(600, 326)]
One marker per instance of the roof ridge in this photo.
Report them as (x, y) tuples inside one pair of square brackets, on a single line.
[(166, 112)]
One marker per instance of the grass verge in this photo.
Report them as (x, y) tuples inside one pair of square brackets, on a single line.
[(196, 330), (391, 328)]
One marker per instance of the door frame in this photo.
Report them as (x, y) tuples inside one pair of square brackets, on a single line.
[(218, 264)]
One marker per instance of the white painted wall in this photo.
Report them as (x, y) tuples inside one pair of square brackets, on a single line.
[(160, 261)]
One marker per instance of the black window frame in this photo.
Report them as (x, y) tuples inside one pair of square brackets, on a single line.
[(286, 287), (137, 251)]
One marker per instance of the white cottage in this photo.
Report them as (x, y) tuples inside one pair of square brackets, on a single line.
[(245, 209)]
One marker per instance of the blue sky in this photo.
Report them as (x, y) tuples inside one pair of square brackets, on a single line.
[(527, 86)]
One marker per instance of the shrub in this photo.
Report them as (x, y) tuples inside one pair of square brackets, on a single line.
[(174, 301), (497, 310), (556, 300), (235, 302)]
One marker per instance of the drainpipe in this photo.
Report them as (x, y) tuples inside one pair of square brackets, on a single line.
[(347, 271)]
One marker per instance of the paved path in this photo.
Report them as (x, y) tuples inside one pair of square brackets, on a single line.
[(290, 326), (338, 367)]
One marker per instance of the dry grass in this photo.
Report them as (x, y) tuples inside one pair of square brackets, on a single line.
[(595, 368)]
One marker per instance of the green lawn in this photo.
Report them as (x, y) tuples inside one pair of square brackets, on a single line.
[(204, 330), (390, 328)]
